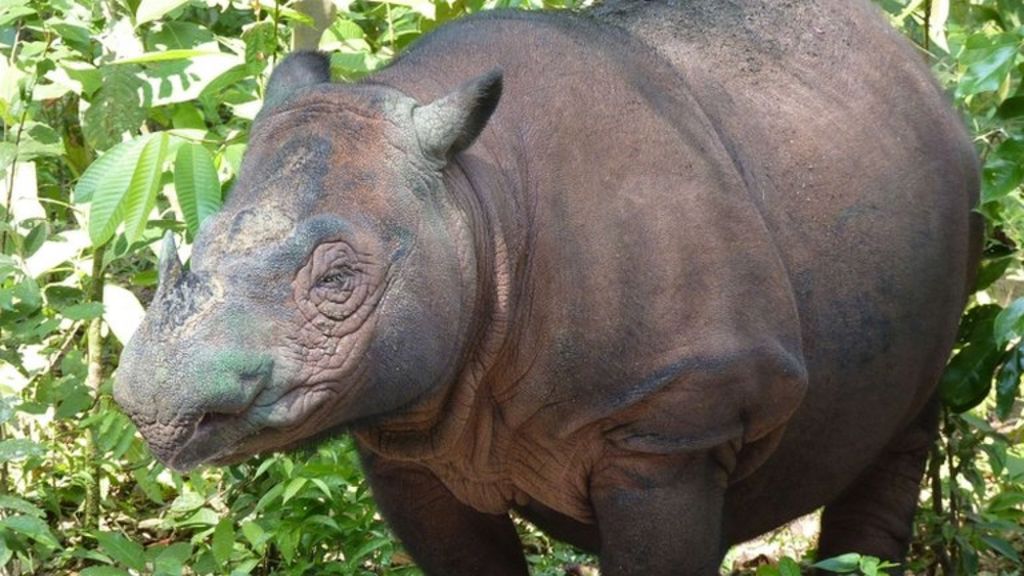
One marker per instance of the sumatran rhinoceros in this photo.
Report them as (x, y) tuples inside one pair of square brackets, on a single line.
[(658, 277)]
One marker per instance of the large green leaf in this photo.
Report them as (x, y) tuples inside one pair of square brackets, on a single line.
[(123, 550), (195, 180), (105, 184), (122, 187), (141, 195), (995, 60)]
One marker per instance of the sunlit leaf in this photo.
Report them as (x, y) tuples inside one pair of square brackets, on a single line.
[(141, 194), (196, 183), (19, 448), (105, 184), (150, 10), (988, 72), (122, 312)]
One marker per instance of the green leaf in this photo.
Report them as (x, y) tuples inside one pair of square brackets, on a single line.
[(294, 485), (202, 517), (255, 534), (5, 553), (1008, 382), (1004, 171), (260, 40), (179, 35), (109, 165), (195, 180), (7, 408), (1009, 324), (1012, 107), (968, 376), (187, 502), (35, 239), (141, 194), (842, 564), (166, 55), (788, 567), (988, 72), (1003, 547), (992, 269), (150, 10), (107, 182), (103, 571), (223, 540), (117, 108), (83, 311), (366, 549), (8, 502), (39, 140), (122, 550), (1006, 501), (19, 448), (171, 560), (31, 527)]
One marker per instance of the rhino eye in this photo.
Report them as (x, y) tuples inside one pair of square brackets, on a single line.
[(337, 278)]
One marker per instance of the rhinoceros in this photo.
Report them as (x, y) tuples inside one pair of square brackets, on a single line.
[(656, 276)]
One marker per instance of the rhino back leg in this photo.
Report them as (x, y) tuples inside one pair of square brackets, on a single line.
[(444, 536), (875, 515)]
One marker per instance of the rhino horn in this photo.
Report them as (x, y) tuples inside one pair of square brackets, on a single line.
[(451, 123), (169, 265)]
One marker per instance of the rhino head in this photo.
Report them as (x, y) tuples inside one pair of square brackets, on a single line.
[(337, 284)]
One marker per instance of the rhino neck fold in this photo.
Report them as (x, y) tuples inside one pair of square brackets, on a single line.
[(485, 196)]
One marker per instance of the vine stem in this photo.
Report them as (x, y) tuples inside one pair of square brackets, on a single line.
[(93, 379), (8, 213)]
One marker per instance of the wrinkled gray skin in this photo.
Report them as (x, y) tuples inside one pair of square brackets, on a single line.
[(659, 277)]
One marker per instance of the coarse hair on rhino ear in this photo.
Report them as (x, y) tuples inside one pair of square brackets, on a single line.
[(298, 70), (451, 123)]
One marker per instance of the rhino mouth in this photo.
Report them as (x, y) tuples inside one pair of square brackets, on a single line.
[(222, 439), (214, 437)]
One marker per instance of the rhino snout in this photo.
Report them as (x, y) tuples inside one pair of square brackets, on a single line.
[(191, 410)]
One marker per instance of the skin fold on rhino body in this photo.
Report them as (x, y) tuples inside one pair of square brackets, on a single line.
[(658, 276)]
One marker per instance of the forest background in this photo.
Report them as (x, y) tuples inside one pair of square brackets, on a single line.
[(122, 119)]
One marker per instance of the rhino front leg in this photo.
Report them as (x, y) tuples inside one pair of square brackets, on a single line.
[(444, 536), (659, 515)]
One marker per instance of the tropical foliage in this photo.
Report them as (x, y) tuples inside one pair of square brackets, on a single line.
[(124, 119)]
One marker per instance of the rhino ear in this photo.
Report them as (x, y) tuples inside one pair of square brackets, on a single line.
[(298, 70), (450, 124)]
